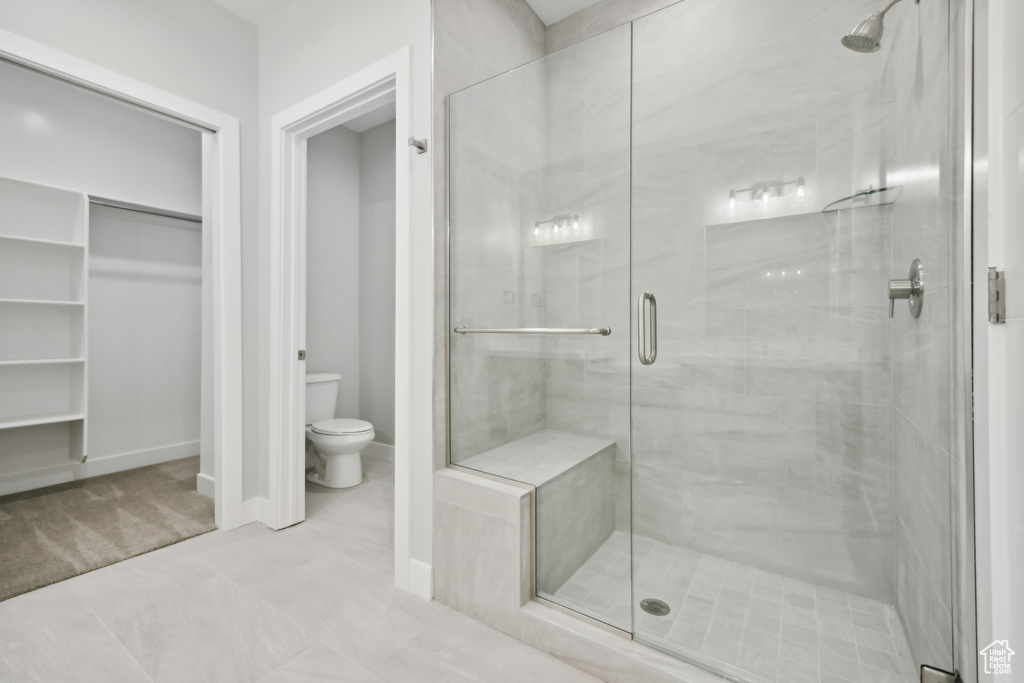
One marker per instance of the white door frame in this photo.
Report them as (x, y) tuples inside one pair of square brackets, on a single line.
[(221, 215), (385, 81)]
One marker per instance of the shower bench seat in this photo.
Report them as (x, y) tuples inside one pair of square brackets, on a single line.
[(575, 480)]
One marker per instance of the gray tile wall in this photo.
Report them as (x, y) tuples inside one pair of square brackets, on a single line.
[(763, 433), (926, 375), (498, 142), (598, 18), (473, 40)]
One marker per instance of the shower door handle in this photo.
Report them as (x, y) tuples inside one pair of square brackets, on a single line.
[(641, 327)]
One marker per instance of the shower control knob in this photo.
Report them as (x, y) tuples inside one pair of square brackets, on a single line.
[(911, 289)]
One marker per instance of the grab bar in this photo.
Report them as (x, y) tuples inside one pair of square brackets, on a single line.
[(603, 331)]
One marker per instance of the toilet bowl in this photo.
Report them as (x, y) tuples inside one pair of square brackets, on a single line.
[(336, 447), (334, 443)]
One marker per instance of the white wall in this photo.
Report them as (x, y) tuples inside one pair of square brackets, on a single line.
[(306, 47), (57, 134), (332, 262), (999, 242), (145, 292), (377, 280), (196, 50)]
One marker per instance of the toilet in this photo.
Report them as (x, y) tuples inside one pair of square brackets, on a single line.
[(336, 442)]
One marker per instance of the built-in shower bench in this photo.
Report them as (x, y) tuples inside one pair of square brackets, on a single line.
[(575, 480)]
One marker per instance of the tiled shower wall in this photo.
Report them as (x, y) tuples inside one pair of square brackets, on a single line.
[(924, 161), (586, 279), (475, 40), (763, 432)]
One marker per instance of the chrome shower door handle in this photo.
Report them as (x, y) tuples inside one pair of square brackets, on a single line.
[(641, 328)]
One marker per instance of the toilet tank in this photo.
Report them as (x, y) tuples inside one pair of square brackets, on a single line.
[(321, 396)]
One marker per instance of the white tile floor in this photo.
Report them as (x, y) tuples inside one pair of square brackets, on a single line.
[(314, 602), (764, 626)]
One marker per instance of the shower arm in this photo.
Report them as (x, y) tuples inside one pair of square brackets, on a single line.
[(888, 6), (892, 3)]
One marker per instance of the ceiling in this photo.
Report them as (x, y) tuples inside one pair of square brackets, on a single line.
[(255, 11), (551, 11)]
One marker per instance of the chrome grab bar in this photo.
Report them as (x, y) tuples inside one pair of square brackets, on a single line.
[(641, 328), (603, 331)]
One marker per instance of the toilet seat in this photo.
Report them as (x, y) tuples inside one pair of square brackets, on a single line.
[(341, 426)]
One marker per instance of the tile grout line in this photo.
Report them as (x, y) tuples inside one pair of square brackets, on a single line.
[(112, 634), (281, 615)]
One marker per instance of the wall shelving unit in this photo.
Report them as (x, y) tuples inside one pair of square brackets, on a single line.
[(44, 251)]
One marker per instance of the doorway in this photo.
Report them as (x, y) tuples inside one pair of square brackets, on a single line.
[(378, 85), (221, 214), (350, 283)]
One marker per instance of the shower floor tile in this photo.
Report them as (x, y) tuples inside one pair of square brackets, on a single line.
[(751, 623)]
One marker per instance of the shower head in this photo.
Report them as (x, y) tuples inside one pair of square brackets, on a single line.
[(867, 35)]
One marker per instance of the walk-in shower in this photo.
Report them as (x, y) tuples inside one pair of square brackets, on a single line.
[(739, 458)]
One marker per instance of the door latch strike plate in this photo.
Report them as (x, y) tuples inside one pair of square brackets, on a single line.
[(302, 354), (996, 296)]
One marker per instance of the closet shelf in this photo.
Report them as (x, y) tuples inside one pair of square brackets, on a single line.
[(42, 302), (43, 419), (43, 361), (43, 243)]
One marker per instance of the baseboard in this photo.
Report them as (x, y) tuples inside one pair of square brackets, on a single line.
[(205, 485), (255, 510), (380, 450), (96, 466), (421, 579)]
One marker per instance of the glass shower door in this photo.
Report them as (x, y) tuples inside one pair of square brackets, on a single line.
[(539, 307), (790, 442)]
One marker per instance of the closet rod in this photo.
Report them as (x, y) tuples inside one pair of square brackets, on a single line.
[(117, 97), (127, 206)]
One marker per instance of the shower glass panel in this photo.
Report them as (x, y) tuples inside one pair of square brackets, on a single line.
[(791, 442), (539, 310)]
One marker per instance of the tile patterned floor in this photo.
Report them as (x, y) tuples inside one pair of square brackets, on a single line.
[(314, 602), (763, 626)]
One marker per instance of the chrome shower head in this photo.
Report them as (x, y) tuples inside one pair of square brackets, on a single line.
[(867, 35)]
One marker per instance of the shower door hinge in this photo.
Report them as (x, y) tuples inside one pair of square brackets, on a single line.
[(302, 354), (996, 295), (930, 675)]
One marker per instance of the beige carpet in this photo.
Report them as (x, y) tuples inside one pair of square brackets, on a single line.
[(57, 532)]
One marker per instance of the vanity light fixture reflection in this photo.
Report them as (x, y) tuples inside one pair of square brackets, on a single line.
[(766, 191), (559, 223)]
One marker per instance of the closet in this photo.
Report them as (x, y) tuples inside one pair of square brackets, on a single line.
[(100, 299)]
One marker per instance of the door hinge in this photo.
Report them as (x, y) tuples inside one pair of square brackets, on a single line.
[(931, 675), (996, 295), (302, 354)]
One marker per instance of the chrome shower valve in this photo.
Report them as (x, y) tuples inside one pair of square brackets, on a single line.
[(911, 289)]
